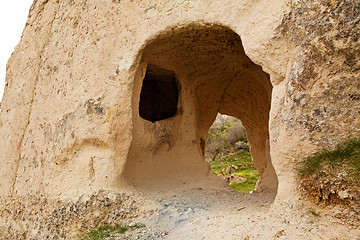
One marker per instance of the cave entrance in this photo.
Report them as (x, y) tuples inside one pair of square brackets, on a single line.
[(228, 153), (185, 77)]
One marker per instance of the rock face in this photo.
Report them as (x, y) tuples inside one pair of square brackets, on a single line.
[(119, 94)]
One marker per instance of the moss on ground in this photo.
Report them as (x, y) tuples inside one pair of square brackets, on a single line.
[(107, 231), (343, 161), (237, 164)]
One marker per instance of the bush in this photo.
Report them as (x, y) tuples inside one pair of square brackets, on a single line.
[(224, 137)]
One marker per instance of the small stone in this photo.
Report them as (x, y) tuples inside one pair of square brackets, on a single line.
[(343, 194), (280, 233)]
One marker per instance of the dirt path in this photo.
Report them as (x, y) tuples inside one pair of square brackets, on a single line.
[(199, 214)]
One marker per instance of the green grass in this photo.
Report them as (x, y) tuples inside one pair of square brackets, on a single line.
[(343, 160), (245, 168), (249, 185), (106, 231), (241, 159)]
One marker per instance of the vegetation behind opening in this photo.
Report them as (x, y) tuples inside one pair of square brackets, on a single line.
[(228, 153)]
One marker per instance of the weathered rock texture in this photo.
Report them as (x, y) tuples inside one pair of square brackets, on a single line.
[(70, 121), (36, 217)]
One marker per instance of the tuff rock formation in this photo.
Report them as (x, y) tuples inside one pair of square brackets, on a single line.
[(120, 94)]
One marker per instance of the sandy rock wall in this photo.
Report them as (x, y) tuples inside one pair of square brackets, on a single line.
[(77, 131), (70, 125), (317, 106), (20, 87)]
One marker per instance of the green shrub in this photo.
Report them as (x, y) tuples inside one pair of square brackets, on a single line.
[(223, 136)]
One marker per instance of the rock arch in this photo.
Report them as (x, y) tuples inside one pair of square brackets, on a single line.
[(213, 75)]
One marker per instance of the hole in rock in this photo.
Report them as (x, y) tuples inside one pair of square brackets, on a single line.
[(228, 153), (159, 94), (216, 76)]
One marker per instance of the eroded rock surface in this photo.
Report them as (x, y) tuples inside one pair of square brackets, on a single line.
[(71, 124)]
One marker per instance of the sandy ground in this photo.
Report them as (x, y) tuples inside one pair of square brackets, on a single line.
[(227, 214)]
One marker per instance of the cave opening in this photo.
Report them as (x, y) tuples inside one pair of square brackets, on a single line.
[(171, 123), (228, 154), (159, 94)]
